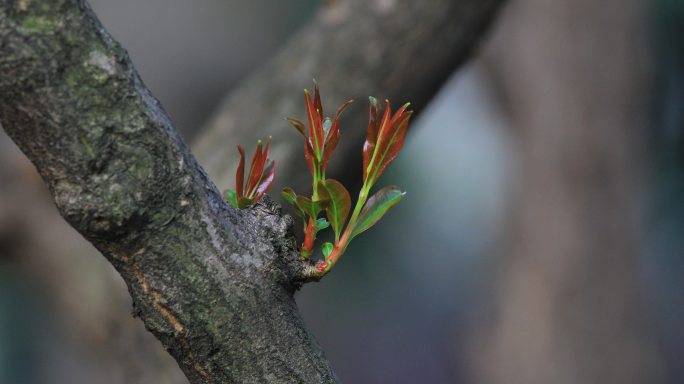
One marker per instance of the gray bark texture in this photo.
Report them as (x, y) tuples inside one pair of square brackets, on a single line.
[(213, 284)]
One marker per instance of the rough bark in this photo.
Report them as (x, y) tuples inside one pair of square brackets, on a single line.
[(402, 50), (86, 301), (213, 284)]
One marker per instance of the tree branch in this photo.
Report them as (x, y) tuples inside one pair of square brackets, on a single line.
[(213, 284)]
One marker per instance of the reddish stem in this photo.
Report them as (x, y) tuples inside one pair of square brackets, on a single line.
[(309, 237), (324, 266)]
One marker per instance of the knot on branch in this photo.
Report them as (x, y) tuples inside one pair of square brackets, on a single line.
[(276, 243)]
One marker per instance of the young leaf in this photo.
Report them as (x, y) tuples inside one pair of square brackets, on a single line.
[(289, 195), (240, 174), (310, 156), (333, 136), (375, 127), (339, 203), (259, 179), (245, 202), (321, 224), (298, 125), (266, 181), (317, 99), (315, 124), (256, 171), (310, 207), (330, 144), (376, 206), (342, 108), (327, 249), (391, 143), (231, 197)]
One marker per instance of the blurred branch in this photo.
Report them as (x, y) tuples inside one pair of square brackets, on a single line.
[(401, 50)]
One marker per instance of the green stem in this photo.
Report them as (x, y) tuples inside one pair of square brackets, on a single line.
[(342, 244), (363, 196)]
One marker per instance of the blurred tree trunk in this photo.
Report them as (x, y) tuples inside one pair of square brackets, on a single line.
[(569, 302)]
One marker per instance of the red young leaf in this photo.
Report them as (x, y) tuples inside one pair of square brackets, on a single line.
[(399, 114), (308, 149), (298, 125), (240, 174), (309, 155), (342, 108), (317, 99), (384, 129), (330, 144), (266, 181), (257, 171), (333, 135), (375, 131), (371, 135), (393, 144), (254, 170), (316, 135)]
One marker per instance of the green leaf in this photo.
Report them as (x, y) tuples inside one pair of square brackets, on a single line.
[(245, 202), (289, 195), (339, 203), (310, 207), (231, 197), (327, 249), (376, 207), (321, 224)]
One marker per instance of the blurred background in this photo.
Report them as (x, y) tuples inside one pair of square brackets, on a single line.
[(541, 241)]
